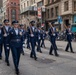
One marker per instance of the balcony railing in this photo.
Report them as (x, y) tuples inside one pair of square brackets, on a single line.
[(29, 8)]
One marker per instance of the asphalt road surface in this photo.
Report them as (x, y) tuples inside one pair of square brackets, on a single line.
[(65, 64)]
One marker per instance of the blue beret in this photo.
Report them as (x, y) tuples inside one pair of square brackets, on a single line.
[(32, 22), (15, 22), (6, 20)]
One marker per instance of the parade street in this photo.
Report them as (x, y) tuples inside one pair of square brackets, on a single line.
[(46, 64)]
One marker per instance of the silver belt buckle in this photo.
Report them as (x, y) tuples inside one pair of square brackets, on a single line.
[(17, 39)]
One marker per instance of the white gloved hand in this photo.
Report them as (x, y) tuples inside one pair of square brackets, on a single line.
[(5, 35)]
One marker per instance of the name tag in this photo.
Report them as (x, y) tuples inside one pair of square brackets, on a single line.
[(5, 35)]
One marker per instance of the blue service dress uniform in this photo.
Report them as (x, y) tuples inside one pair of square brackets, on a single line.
[(6, 37), (1, 42), (39, 40), (24, 37), (28, 39), (53, 35), (32, 34), (69, 36), (43, 35), (16, 45)]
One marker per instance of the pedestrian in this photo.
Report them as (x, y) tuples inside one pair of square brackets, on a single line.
[(16, 44), (6, 29), (1, 41), (43, 35), (53, 35), (39, 39), (69, 36), (23, 35), (32, 34), (28, 38)]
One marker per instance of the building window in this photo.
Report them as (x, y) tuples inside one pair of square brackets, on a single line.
[(13, 11), (18, 4), (21, 7), (56, 10), (31, 1), (27, 3), (66, 6), (74, 5), (48, 1), (52, 12), (24, 5), (48, 10), (11, 2), (52, 1), (39, 4), (14, 3), (34, 1)]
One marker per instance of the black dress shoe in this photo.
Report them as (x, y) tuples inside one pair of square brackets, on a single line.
[(31, 57), (72, 52), (56, 55), (17, 72), (8, 64), (50, 54), (35, 58), (40, 51), (23, 53), (66, 51)]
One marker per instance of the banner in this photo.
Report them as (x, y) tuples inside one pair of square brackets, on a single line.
[(39, 13)]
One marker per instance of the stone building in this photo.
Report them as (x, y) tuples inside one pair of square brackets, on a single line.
[(52, 12), (29, 10), (64, 8), (11, 9)]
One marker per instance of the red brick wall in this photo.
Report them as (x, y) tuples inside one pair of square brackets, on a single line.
[(10, 7)]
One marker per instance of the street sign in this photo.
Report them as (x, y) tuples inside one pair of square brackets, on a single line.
[(59, 19)]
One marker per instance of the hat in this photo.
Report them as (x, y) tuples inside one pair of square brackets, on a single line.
[(21, 25), (6, 20), (32, 22), (52, 22), (15, 22)]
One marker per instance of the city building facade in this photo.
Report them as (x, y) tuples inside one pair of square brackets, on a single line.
[(1, 11), (66, 9), (26, 11), (29, 10), (53, 10), (68, 12)]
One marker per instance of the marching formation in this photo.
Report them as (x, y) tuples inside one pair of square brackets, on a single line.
[(12, 38)]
